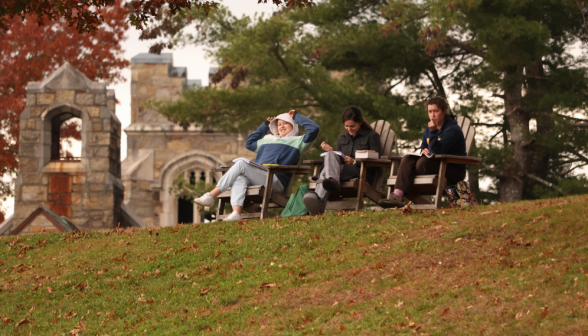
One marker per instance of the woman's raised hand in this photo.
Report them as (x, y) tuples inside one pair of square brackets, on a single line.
[(432, 125), (270, 119), (326, 147), (291, 113)]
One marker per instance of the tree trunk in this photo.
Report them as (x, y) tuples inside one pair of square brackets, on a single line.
[(539, 152), (511, 179)]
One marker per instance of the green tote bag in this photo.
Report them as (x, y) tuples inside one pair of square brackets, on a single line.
[(295, 206)]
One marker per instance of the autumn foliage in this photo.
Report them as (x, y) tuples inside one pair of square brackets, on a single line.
[(31, 53)]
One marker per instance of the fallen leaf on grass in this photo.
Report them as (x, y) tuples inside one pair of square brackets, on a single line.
[(203, 292), (267, 285), (82, 286), (399, 304), (334, 304), (50, 290), (458, 239), (77, 329), (445, 311), (519, 315), (407, 209), (23, 322)]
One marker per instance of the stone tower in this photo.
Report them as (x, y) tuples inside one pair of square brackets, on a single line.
[(87, 189), (159, 150)]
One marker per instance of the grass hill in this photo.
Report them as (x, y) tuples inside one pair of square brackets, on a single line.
[(508, 269)]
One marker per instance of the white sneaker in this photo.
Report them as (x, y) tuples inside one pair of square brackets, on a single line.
[(233, 217), (206, 200)]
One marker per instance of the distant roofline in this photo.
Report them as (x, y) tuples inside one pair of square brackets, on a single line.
[(147, 58)]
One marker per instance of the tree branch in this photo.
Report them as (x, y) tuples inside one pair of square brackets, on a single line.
[(276, 52), (438, 81), (465, 46), (488, 125), (570, 170), (547, 183), (492, 138)]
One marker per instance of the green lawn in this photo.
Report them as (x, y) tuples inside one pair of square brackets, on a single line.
[(509, 269)]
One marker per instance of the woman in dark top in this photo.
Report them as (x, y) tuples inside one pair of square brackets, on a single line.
[(442, 136), (358, 135)]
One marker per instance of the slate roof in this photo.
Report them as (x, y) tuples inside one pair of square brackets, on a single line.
[(61, 222)]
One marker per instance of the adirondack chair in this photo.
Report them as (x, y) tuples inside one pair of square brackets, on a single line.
[(260, 198), (435, 184), (358, 188)]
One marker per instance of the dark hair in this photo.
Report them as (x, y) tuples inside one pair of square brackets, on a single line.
[(354, 113), (440, 102)]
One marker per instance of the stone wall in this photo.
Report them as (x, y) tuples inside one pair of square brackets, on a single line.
[(152, 81), (158, 150), (89, 190)]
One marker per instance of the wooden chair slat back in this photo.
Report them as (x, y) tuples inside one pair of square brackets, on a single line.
[(387, 136), (378, 125), (469, 132), (460, 120), (390, 144), (470, 139), (388, 141)]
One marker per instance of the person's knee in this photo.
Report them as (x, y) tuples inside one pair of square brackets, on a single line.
[(239, 167), (331, 156), (421, 167)]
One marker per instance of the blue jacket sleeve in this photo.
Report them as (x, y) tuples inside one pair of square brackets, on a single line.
[(447, 142), (312, 129), (251, 142)]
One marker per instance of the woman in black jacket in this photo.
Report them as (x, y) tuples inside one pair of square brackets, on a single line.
[(442, 136), (358, 135)]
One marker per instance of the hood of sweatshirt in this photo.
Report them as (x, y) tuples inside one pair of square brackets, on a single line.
[(273, 126)]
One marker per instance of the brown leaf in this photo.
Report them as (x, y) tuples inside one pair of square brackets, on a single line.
[(23, 322), (77, 329), (203, 292), (519, 315), (267, 285), (445, 311), (81, 286), (407, 209), (50, 290)]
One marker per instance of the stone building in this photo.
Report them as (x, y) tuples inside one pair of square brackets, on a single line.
[(94, 190), (86, 189), (159, 150)]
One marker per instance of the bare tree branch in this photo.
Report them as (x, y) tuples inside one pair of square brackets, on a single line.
[(465, 46), (547, 183)]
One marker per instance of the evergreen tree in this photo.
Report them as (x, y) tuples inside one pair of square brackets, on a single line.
[(506, 64)]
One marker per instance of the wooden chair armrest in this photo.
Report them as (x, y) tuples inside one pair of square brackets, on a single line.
[(467, 160), (289, 169), (375, 162), (314, 162), (220, 169), (392, 158)]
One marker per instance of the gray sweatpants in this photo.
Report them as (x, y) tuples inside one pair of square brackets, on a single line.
[(242, 175), (332, 169)]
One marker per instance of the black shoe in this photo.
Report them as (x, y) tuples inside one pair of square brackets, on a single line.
[(313, 203), (332, 186), (391, 202)]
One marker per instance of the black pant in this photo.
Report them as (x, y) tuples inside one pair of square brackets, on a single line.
[(411, 165)]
